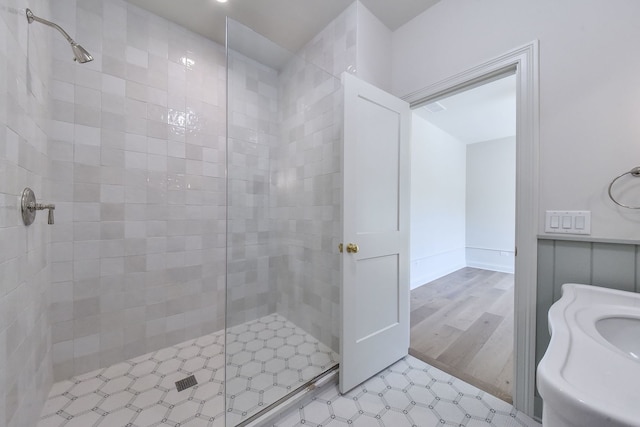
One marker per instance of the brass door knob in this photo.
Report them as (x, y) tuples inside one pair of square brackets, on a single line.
[(352, 248)]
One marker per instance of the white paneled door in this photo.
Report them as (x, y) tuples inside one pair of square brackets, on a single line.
[(375, 290)]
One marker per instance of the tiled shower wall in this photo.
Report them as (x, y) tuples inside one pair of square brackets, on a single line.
[(285, 181), (334, 49), (253, 133), (138, 163), (25, 357), (307, 205), (307, 200)]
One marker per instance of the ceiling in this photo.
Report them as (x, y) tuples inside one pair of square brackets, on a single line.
[(289, 23), (480, 114)]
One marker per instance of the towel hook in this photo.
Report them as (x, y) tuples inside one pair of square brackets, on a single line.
[(635, 172)]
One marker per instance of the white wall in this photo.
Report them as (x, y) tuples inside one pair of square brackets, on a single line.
[(491, 204), (374, 49), (589, 87), (438, 180)]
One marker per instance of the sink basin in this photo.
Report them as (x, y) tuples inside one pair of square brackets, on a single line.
[(590, 373), (623, 333)]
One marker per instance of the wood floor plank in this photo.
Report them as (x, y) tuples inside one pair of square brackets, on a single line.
[(448, 312), (505, 378), (489, 362), (435, 340), (422, 312), (471, 313), (460, 353), (462, 323), (504, 282), (504, 304)]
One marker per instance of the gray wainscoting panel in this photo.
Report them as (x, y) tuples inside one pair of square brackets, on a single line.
[(609, 265), (546, 255), (571, 263), (614, 265)]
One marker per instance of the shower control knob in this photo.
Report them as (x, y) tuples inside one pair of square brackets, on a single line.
[(30, 206)]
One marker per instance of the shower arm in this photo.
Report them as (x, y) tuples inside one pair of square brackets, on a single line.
[(31, 17)]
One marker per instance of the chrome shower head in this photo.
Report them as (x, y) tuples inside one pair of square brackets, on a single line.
[(80, 54)]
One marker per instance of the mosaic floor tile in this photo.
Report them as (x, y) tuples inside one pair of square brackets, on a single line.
[(141, 392), (267, 359), (410, 393)]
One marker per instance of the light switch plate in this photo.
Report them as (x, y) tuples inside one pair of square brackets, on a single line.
[(568, 222)]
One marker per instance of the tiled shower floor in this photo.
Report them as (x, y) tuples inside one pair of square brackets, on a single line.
[(141, 391), (267, 358)]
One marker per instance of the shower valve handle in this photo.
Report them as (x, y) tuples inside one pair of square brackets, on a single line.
[(30, 206), (51, 207)]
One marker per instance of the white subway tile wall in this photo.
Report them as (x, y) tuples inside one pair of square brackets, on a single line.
[(137, 169), (285, 145), (334, 48), (307, 200), (307, 184), (253, 135), (25, 340), (131, 149)]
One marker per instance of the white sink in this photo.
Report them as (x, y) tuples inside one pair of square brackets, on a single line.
[(623, 333), (590, 373)]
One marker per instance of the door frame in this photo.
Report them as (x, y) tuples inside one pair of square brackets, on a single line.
[(524, 63)]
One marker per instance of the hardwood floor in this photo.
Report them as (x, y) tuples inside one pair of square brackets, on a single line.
[(462, 324)]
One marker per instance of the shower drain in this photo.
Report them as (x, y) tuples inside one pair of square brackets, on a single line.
[(186, 383)]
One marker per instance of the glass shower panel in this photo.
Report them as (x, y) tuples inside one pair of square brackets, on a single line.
[(284, 194)]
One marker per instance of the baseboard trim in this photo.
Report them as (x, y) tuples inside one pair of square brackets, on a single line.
[(491, 267), (430, 268)]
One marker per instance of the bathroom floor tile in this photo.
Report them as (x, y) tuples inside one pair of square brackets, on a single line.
[(267, 359), (409, 393), (270, 357), (141, 392)]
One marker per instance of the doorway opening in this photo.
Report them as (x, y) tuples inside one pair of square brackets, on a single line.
[(463, 222)]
